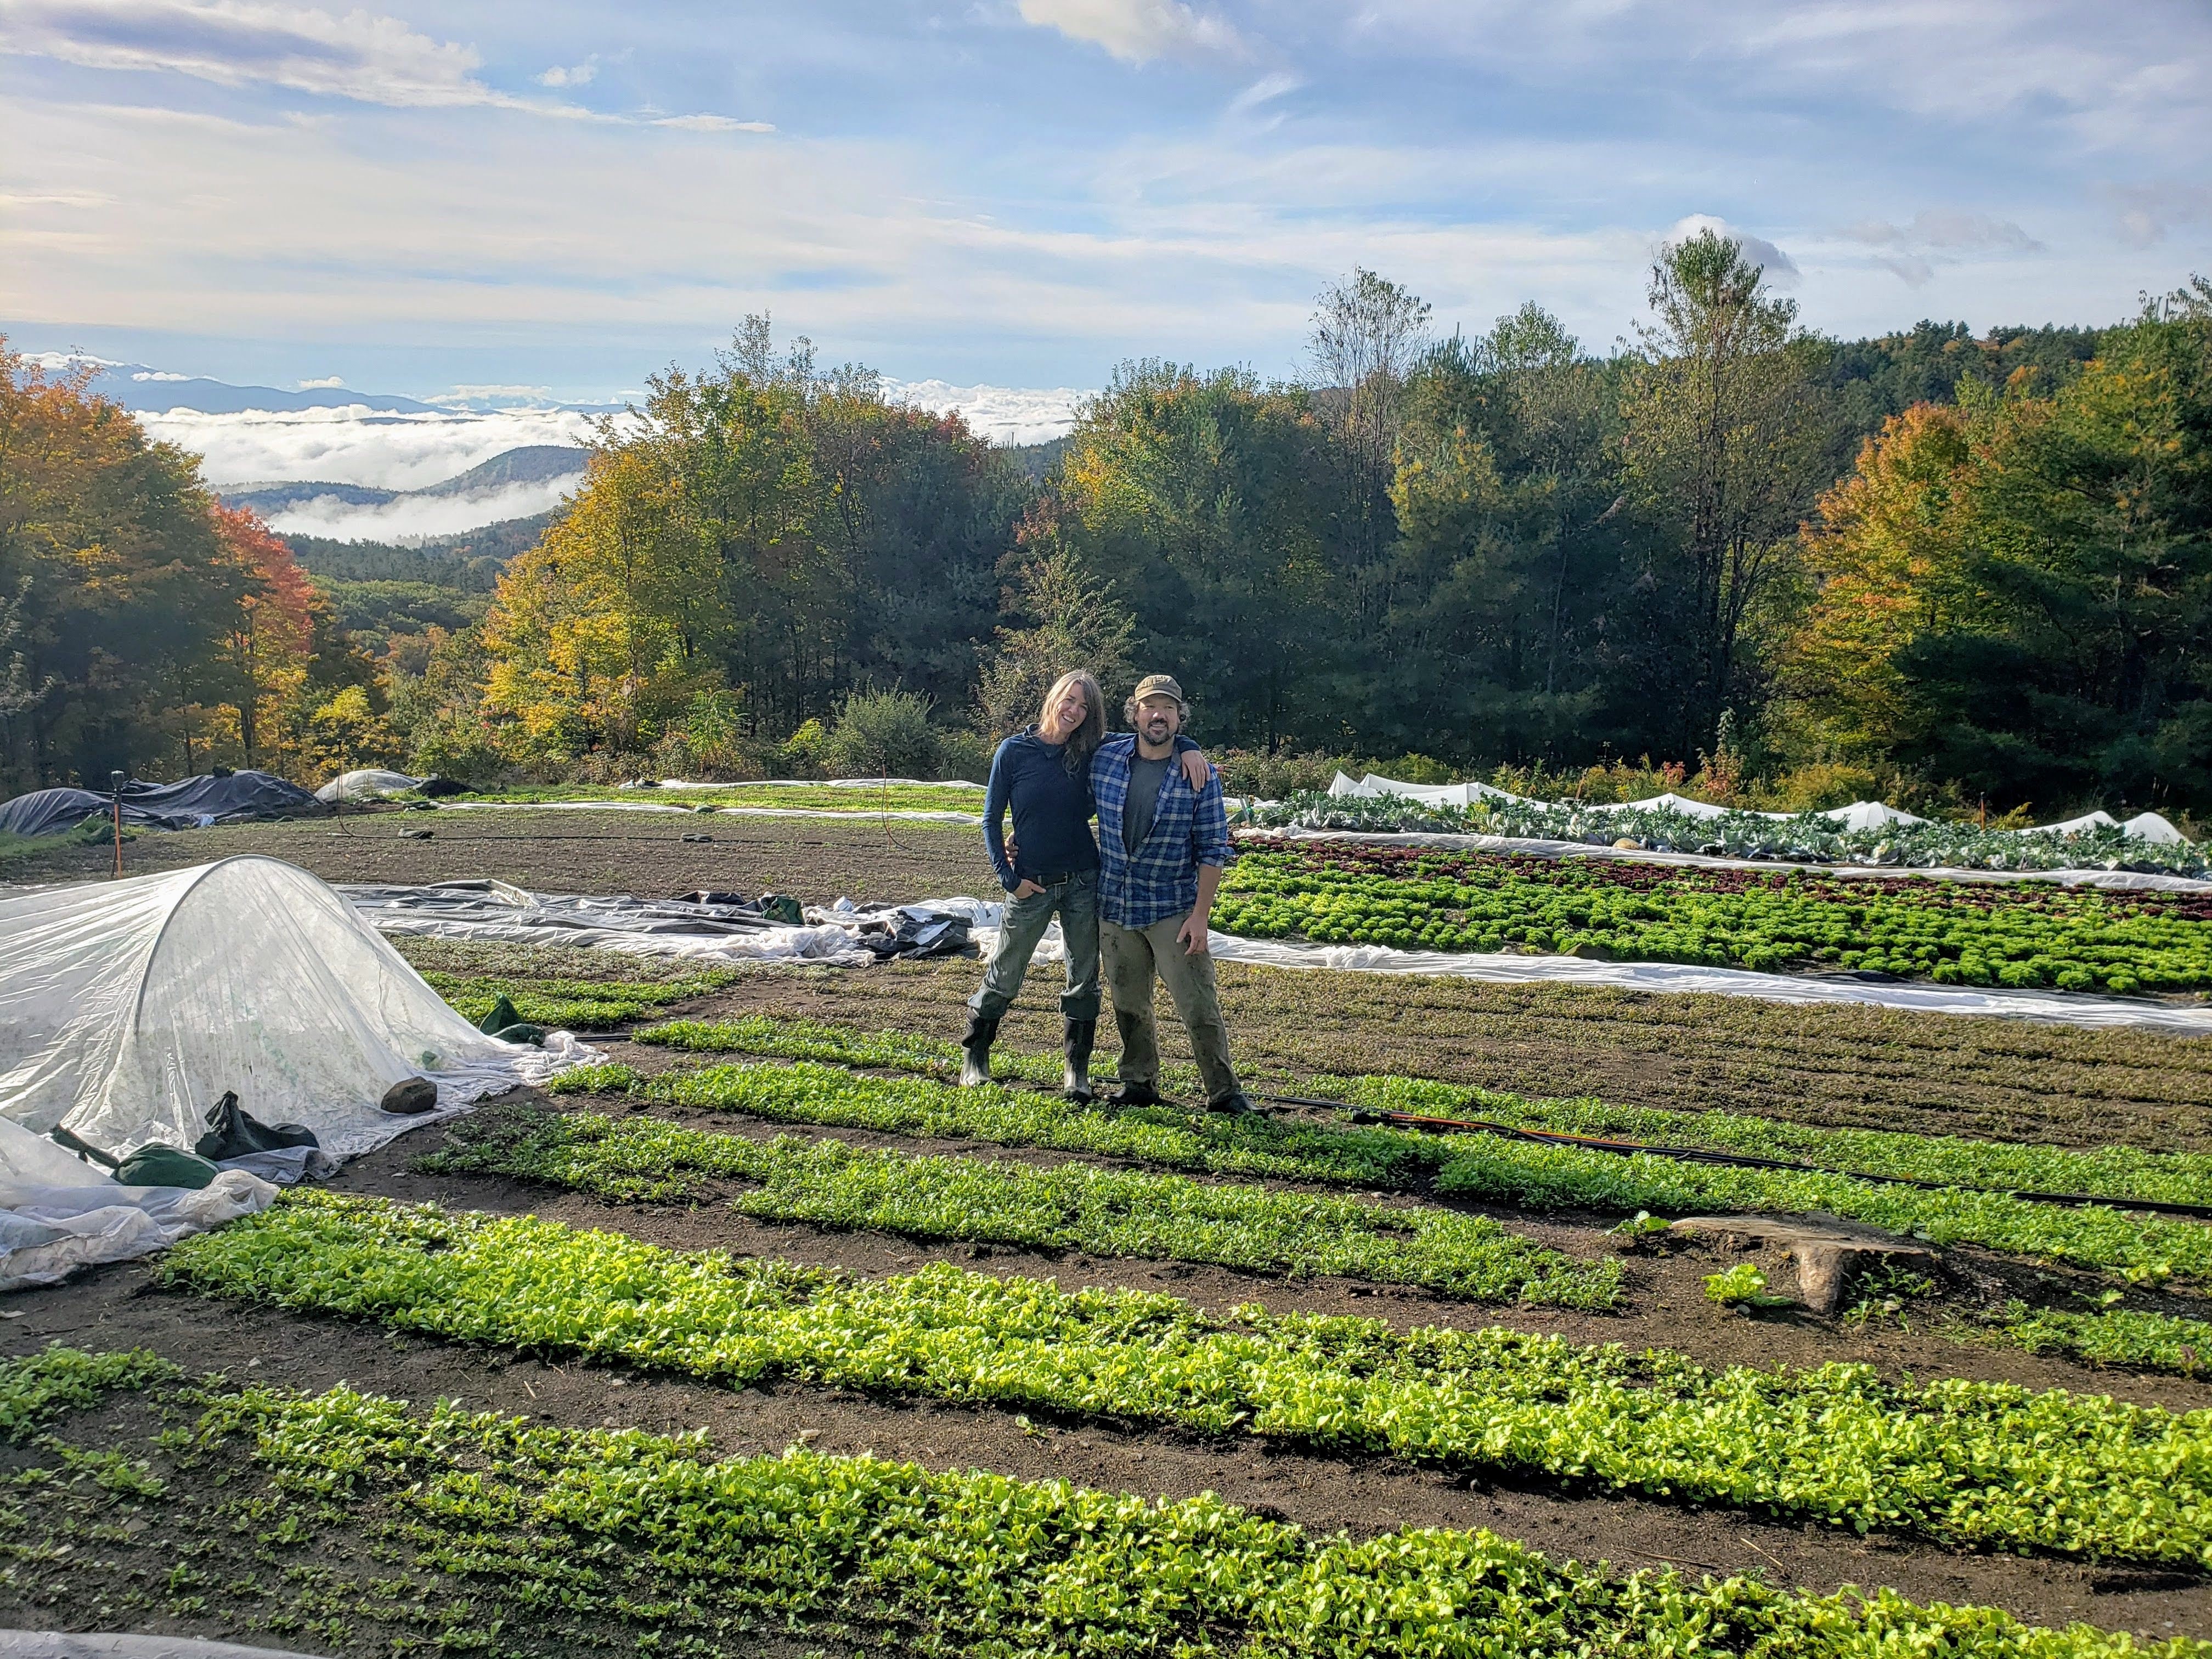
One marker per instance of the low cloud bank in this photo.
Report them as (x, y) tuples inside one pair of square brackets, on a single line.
[(1005, 414), (412, 517), (360, 445)]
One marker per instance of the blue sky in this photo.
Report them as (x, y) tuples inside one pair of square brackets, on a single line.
[(1021, 193)]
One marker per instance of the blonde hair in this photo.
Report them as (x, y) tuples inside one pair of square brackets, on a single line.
[(1084, 741)]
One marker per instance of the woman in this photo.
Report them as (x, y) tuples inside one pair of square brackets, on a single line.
[(1043, 775)]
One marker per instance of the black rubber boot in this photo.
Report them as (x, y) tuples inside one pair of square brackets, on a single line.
[(1235, 1104), (976, 1047), (1138, 1094), (1075, 1045)]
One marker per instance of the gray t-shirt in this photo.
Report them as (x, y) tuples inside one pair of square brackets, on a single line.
[(1144, 777)]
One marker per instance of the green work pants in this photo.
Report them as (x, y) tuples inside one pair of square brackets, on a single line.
[(1131, 958)]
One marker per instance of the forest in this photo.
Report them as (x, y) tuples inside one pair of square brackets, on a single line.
[(1972, 573)]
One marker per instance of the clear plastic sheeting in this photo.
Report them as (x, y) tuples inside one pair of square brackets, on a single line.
[(369, 783), (653, 928), (129, 1007), (58, 1214), (2139, 881)]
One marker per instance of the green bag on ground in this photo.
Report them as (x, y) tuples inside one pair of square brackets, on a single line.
[(778, 907), (501, 1016), (156, 1165)]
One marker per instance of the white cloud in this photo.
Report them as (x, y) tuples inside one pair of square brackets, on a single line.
[(157, 374), (1136, 31), (2144, 214), (327, 383), (1265, 90), (1909, 269), (472, 397), (1781, 269), (358, 444), (1948, 230), (359, 55), (410, 518), (1005, 414), (711, 124), (52, 360)]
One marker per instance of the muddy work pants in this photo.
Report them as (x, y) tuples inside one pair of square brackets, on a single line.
[(1130, 959)]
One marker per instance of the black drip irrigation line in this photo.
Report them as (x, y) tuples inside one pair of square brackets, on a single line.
[(1737, 1160)]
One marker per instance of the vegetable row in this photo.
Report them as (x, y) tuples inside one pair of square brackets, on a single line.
[(574, 1004), (2081, 939), (2115, 1172), (1527, 1175), (1970, 1464), (1107, 1213), (463, 1528), (1806, 837)]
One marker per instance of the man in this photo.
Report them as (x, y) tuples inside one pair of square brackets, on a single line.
[(1163, 846)]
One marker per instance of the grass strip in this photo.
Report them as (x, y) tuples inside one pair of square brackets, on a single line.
[(572, 1004), (1107, 1213), (2117, 1172), (2141, 1248), (1972, 1464), (458, 1531)]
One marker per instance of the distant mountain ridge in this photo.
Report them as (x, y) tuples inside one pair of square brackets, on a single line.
[(530, 463)]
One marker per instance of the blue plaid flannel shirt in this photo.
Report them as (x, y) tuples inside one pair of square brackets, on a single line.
[(1189, 827)]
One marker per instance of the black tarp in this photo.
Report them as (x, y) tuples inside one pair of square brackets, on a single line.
[(217, 797)]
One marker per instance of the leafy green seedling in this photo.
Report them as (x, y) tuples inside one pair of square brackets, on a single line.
[(1741, 1286)]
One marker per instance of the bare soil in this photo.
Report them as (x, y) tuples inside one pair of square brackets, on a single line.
[(1926, 1072), (116, 1308)]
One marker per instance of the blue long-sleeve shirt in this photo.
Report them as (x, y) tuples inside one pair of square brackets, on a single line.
[(1052, 810)]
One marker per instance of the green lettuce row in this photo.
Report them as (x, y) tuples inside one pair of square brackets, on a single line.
[(2116, 1336), (1526, 1174), (579, 1535), (41, 1387), (2077, 941), (574, 1004), (2115, 1172), (2118, 1172), (1107, 1213), (1972, 1464), (456, 1527), (847, 1045)]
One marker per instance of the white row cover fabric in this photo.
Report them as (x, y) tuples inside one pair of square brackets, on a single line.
[(2049, 1007), (809, 783), (58, 1214), (2116, 880), (1859, 815), (370, 783), (497, 911), (128, 1008)]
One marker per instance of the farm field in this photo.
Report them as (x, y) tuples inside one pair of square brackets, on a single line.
[(1291, 1386)]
